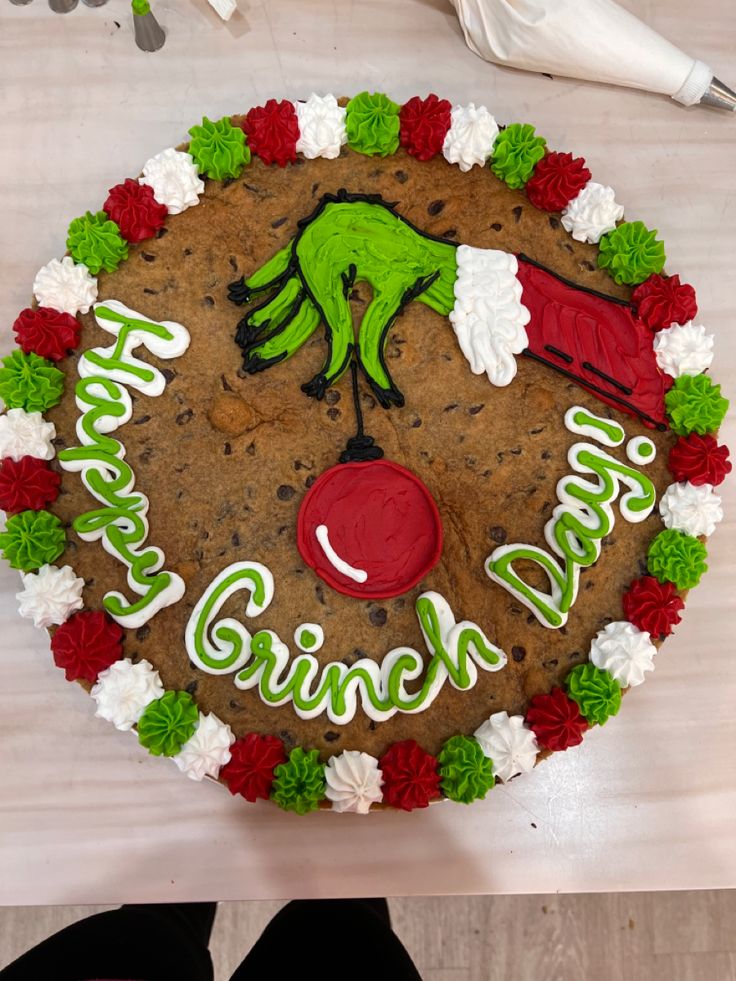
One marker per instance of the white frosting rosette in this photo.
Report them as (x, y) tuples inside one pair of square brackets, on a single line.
[(65, 286), (123, 691), (174, 179), (470, 138), (683, 349), (592, 213), (26, 434), (50, 596), (509, 744), (207, 750), (322, 130), (623, 650), (694, 509), (353, 782)]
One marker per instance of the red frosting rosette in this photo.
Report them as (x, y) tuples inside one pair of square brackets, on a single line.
[(557, 179), (46, 332), (423, 126), (555, 720), (410, 776), (253, 759), (653, 606), (135, 210), (27, 484), (273, 131), (699, 459), (663, 300), (87, 644)]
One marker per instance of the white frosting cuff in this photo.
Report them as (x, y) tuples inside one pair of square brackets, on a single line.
[(623, 650), (65, 286), (693, 509), (321, 127), (207, 750), (684, 349), (50, 596), (592, 213), (174, 178), (353, 782), (470, 138), (26, 434), (509, 744)]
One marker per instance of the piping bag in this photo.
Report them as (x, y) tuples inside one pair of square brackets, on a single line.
[(596, 40)]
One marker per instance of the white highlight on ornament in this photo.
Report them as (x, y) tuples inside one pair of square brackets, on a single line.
[(322, 130), (50, 596), (174, 178), (694, 509), (207, 750), (26, 434), (323, 537), (683, 349), (510, 745), (470, 138), (592, 213), (623, 650), (488, 317), (65, 286), (641, 450), (353, 782), (316, 631), (124, 690)]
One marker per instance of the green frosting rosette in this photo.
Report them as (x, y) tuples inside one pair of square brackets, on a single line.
[(596, 692), (372, 124), (30, 382), (167, 723), (695, 405), (516, 153), (678, 558), (96, 241), (32, 539), (219, 149), (467, 773), (631, 253), (299, 784)]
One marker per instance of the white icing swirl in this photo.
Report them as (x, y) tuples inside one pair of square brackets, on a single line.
[(26, 434), (321, 127), (623, 650), (353, 781), (470, 138), (207, 750), (489, 317), (174, 178), (50, 595), (65, 286), (696, 510), (123, 691), (592, 213), (684, 349), (509, 744)]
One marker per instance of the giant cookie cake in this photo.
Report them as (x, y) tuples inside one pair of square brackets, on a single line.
[(359, 454)]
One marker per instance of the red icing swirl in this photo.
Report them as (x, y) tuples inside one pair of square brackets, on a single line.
[(135, 210), (663, 300), (27, 485), (699, 459), (557, 179), (556, 720), (424, 126), (410, 777), (653, 606), (253, 758), (46, 332), (273, 131), (87, 644)]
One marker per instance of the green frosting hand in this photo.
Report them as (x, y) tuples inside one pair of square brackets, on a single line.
[(516, 153), (96, 241), (32, 539), (167, 723), (30, 382), (219, 149), (597, 693), (372, 123), (631, 253), (467, 773), (299, 784), (676, 557), (695, 405)]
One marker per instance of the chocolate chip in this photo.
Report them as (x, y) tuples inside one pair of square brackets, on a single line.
[(208, 301), (314, 188), (163, 230), (546, 455), (372, 725), (589, 584), (449, 233), (227, 449), (227, 182), (435, 207), (285, 492), (333, 413), (184, 417), (554, 222), (475, 409), (563, 631), (148, 257), (251, 449), (451, 407), (516, 212), (236, 706), (278, 222), (401, 176), (331, 736), (192, 687), (142, 632), (146, 455), (233, 263), (149, 292), (496, 226), (235, 539), (531, 619), (332, 396), (287, 738), (320, 594), (586, 264), (378, 617), (552, 663), (416, 423), (516, 451), (537, 431), (368, 401), (187, 252), (141, 421), (567, 247), (518, 653), (169, 374), (309, 481), (399, 604)]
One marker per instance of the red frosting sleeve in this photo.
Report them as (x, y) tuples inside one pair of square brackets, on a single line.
[(27, 485), (273, 131), (135, 210), (653, 606), (699, 459), (253, 758), (410, 777), (661, 301), (556, 720), (424, 126), (87, 644), (46, 332), (557, 179)]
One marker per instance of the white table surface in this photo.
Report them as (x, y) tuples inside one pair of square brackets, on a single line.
[(646, 803)]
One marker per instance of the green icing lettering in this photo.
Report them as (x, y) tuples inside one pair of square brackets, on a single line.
[(613, 433), (516, 152), (467, 773), (631, 253), (30, 382), (695, 405), (32, 539), (307, 639), (219, 149), (372, 124), (96, 241), (299, 784)]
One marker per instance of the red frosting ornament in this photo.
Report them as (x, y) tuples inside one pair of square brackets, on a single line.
[(663, 300), (253, 759), (46, 332), (557, 179), (699, 459), (134, 209), (27, 485), (410, 777), (273, 131), (424, 126), (653, 606), (87, 644), (556, 720)]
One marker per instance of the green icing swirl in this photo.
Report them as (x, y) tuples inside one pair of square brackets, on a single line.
[(676, 557), (96, 241), (516, 153), (597, 693), (30, 382), (467, 773), (32, 539), (219, 149), (631, 253), (167, 723), (695, 405), (372, 123), (299, 784)]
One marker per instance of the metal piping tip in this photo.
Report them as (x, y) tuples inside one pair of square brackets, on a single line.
[(149, 35), (719, 96)]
